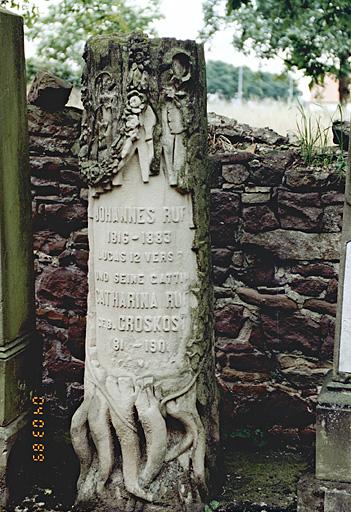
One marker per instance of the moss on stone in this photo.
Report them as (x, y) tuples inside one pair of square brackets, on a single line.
[(15, 229), (261, 476)]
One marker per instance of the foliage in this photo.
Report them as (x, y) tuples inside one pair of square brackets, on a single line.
[(311, 35), (222, 79), (256, 436), (212, 506), (313, 141), (26, 8), (61, 33), (312, 138)]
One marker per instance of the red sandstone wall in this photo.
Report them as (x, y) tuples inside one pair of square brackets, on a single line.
[(275, 232), (60, 251)]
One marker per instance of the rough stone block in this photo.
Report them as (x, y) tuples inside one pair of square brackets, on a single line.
[(255, 197), (269, 170), (265, 300), (320, 306), (337, 500), (49, 92), (229, 320), (332, 218), (225, 209), (291, 332), (311, 286), (236, 174), (314, 495), (299, 211), (296, 245)]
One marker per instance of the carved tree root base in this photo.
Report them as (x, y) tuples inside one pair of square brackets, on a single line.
[(175, 494)]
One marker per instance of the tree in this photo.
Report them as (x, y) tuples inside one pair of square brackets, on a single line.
[(223, 78), (61, 33), (27, 8), (310, 35)]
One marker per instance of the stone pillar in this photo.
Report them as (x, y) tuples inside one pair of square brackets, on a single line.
[(19, 365), (150, 405)]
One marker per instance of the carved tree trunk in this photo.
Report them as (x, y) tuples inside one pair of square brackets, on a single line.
[(147, 429)]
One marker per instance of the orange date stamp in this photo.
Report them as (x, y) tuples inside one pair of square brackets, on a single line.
[(38, 429)]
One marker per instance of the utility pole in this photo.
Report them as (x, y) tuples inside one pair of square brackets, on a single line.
[(240, 84)]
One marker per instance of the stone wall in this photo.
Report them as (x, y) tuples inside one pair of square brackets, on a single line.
[(60, 251), (275, 234)]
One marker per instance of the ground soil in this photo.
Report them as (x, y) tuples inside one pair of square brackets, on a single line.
[(254, 478)]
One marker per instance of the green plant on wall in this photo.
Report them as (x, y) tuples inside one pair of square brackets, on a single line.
[(256, 436), (214, 505), (314, 144)]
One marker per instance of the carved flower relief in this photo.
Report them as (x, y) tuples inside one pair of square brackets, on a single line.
[(136, 103), (139, 57), (144, 81), (138, 77), (132, 122)]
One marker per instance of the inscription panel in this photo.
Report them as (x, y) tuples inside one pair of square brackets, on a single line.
[(143, 270), (345, 335)]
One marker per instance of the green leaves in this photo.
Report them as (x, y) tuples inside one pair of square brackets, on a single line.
[(233, 5), (61, 33), (26, 8), (212, 506), (311, 35)]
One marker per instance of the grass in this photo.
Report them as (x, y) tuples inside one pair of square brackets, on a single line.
[(315, 148), (279, 116), (313, 140)]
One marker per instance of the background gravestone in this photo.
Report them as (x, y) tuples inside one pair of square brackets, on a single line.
[(334, 403), (19, 363), (149, 378)]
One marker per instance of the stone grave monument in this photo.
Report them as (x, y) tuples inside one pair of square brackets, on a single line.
[(19, 347), (331, 490), (146, 431)]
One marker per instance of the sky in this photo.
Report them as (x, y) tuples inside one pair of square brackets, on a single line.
[(184, 19)]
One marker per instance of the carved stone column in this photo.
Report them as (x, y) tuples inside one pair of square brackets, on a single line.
[(147, 429), (19, 348)]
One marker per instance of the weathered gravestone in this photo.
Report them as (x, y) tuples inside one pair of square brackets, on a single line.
[(146, 431), (19, 362), (334, 403)]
